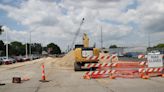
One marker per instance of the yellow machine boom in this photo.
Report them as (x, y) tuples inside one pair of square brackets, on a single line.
[(85, 40), (81, 53)]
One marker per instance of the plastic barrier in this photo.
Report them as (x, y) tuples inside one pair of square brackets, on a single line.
[(117, 65), (108, 57), (123, 70), (144, 73)]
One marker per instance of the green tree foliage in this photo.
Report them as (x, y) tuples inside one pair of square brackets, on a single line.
[(1, 30), (159, 46), (16, 48), (2, 48), (113, 46), (36, 48), (53, 48), (44, 48)]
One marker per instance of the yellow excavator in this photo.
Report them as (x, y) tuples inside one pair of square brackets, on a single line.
[(81, 52)]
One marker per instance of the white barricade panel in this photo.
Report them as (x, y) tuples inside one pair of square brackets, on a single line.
[(155, 60)]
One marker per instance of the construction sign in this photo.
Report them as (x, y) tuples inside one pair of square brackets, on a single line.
[(155, 60), (86, 53)]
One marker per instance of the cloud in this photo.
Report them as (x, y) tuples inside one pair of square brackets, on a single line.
[(151, 18), (13, 35), (58, 20), (155, 25)]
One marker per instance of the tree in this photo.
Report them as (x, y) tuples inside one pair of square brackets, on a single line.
[(159, 46), (44, 48), (1, 30), (17, 48), (113, 46), (2, 48), (36, 48), (53, 48)]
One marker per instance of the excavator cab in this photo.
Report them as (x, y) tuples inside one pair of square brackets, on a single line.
[(81, 54)]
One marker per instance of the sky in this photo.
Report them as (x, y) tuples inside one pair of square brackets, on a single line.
[(124, 22)]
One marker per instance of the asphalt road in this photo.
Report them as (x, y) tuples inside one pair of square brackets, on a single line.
[(66, 80)]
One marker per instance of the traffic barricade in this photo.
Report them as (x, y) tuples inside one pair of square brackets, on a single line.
[(103, 57), (153, 67), (121, 64)]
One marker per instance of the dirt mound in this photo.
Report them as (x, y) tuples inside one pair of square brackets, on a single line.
[(68, 60)]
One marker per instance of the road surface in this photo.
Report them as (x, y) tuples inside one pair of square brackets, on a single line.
[(66, 80)]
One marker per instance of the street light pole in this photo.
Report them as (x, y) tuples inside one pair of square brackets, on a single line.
[(26, 50), (7, 55), (30, 50), (101, 39), (148, 39), (30, 47)]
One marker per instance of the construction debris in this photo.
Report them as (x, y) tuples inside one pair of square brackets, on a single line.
[(16, 80), (25, 79), (2, 84)]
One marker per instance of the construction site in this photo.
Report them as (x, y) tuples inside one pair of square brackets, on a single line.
[(84, 69), (81, 46), (60, 76)]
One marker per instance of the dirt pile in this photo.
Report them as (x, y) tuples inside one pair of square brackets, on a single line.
[(67, 61)]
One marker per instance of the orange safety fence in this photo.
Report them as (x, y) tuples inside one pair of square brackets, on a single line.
[(125, 70), (120, 64)]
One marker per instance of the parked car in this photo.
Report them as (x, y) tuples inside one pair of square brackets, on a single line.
[(12, 60), (132, 54), (7, 61), (18, 58), (128, 54), (1, 62), (34, 56), (25, 58)]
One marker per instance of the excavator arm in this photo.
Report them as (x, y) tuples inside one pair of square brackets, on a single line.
[(85, 40)]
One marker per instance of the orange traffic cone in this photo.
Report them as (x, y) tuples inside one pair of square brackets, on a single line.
[(163, 75), (112, 77), (43, 75), (87, 77), (145, 77)]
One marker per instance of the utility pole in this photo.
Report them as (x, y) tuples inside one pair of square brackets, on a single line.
[(148, 39), (67, 48), (42, 47), (30, 47), (26, 50), (101, 38), (7, 52)]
